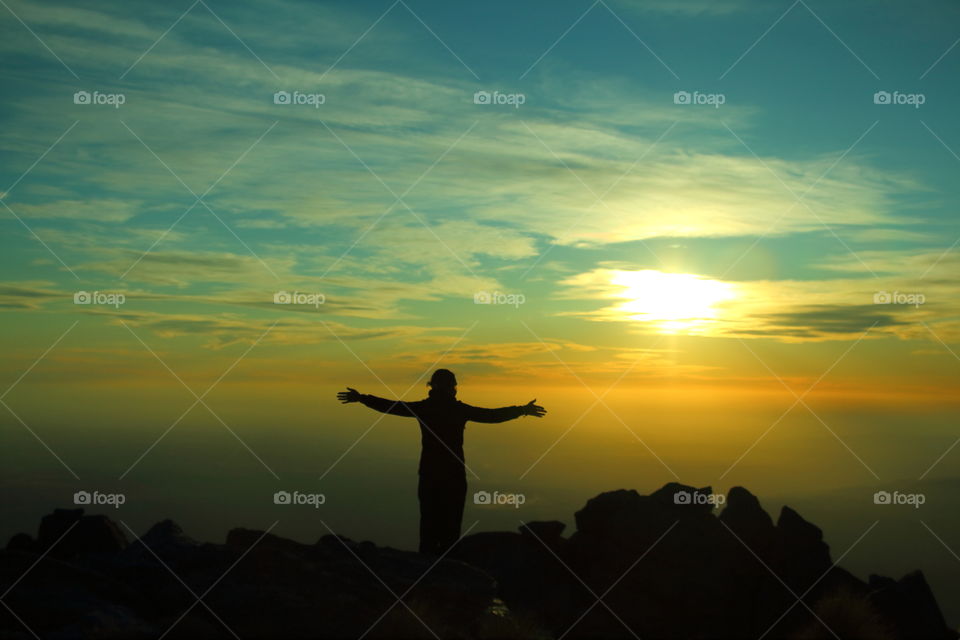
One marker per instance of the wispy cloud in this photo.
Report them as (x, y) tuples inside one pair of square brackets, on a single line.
[(688, 7), (789, 310)]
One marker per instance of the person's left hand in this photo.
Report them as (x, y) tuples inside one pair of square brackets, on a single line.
[(532, 409)]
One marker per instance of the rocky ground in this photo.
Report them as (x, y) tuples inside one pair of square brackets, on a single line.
[(636, 567)]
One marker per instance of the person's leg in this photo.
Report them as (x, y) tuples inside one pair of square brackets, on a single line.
[(451, 516), (431, 506)]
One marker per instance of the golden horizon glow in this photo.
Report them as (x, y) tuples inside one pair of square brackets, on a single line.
[(674, 302)]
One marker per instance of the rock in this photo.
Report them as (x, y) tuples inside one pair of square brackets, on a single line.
[(674, 494), (637, 566), (910, 606), (743, 512), (346, 584), (794, 530), (67, 532), (166, 541), (626, 518), (110, 621), (747, 519), (660, 558), (529, 575), (161, 562), (846, 614), (801, 555), (607, 512), (167, 534), (55, 524), (548, 532), (21, 542), (243, 539), (61, 599)]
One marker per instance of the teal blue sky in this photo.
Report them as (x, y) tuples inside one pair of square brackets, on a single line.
[(510, 202)]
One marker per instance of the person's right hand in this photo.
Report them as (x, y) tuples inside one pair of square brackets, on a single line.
[(532, 409), (350, 395)]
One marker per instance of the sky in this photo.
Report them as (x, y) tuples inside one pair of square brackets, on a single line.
[(717, 240)]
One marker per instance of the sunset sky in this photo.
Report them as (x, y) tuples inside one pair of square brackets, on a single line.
[(684, 216)]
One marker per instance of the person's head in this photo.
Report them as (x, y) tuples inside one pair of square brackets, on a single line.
[(443, 382)]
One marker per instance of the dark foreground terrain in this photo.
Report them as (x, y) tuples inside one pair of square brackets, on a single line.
[(636, 567)]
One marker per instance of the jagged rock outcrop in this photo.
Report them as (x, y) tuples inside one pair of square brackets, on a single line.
[(257, 585), (69, 532), (657, 566), (908, 604), (667, 567), (747, 519)]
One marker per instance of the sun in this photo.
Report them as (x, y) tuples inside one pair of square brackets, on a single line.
[(674, 302)]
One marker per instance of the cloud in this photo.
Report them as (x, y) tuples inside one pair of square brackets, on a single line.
[(786, 310), (412, 266), (920, 264), (820, 321), (27, 296), (94, 210), (687, 7), (894, 234), (415, 240), (225, 329), (94, 238), (555, 360), (182, 268), (677, 193)]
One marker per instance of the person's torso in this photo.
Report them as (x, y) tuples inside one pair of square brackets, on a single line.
[(442, 423)]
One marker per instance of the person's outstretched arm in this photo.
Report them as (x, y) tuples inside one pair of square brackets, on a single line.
[(479, 414), (393, 407)]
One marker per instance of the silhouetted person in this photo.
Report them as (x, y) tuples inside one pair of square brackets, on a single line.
[(443, 481)]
